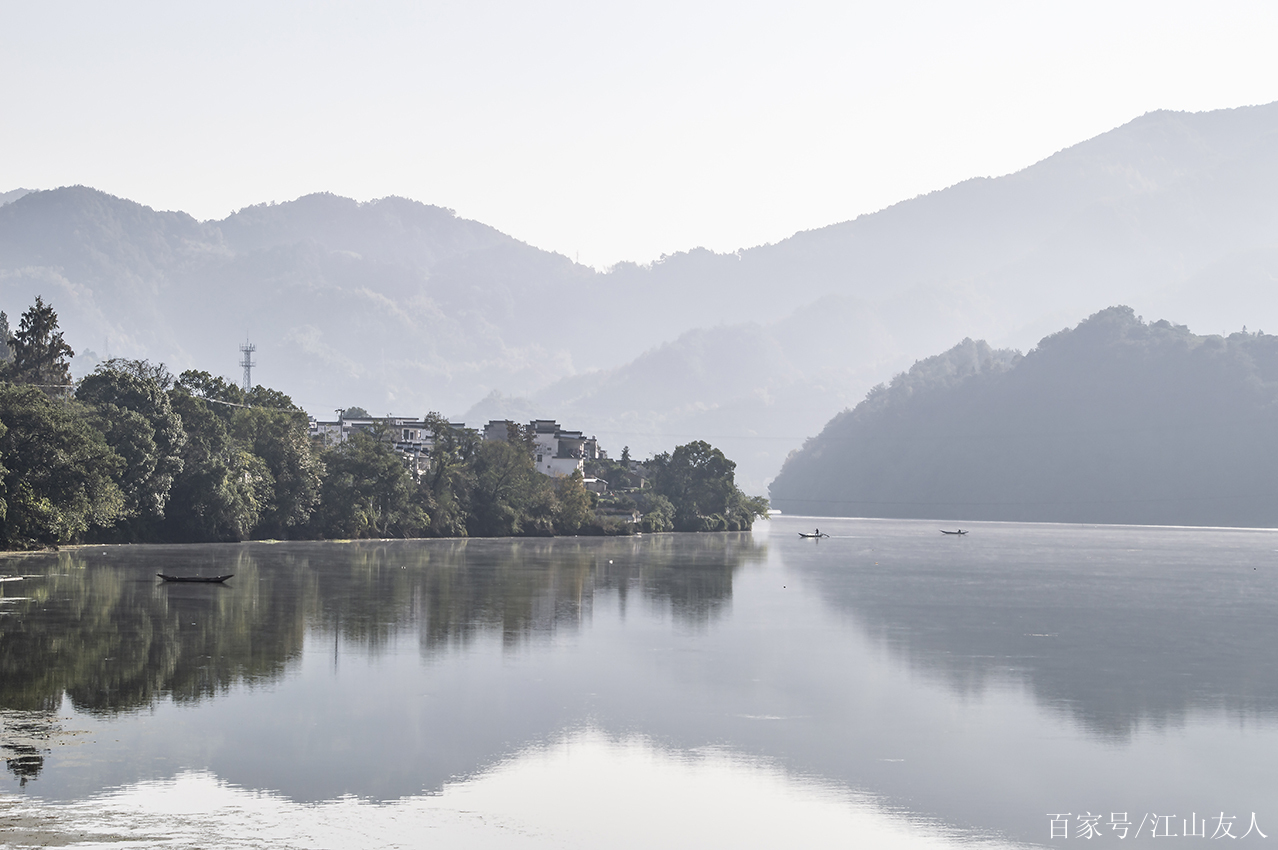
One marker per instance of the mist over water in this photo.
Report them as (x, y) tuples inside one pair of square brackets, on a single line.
[(887, 680)]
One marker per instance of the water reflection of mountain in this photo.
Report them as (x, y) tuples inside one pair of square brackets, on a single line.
[(97, 626), (1122, 627)]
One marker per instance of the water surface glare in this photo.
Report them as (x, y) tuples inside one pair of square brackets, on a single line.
[(885, 686)]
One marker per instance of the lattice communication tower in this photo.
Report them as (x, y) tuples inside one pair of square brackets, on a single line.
[(247, 350)]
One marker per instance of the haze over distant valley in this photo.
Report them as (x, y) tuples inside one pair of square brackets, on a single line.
[(403, 307)]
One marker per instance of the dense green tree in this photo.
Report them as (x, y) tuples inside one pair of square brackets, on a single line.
[(700, 483), (356, 413), (617, 474), (445, 490), (40, 356), (270, 399), (743, 510), (658, 513), (223, 489), (576, 505), (133, 411), (698, 480), (59, 474), (509, 495), (367, 492), (224, 395), (279, 438)]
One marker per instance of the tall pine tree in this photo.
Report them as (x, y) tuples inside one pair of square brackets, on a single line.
[(40, 356), (6, 353)]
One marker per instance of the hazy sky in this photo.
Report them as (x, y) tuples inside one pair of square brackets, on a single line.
[(617, 131)]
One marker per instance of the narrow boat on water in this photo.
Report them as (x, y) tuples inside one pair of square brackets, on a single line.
[(960, 531), (818, 534), (203, 579)]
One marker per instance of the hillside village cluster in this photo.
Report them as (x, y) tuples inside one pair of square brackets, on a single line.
[(556, 451)]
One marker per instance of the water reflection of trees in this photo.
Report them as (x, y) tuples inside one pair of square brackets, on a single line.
[(525, 587), (112, 638), (1120, 646), (96, 625), (692, 575)]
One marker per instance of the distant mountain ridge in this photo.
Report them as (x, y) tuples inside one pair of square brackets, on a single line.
[(1172, 213), (403, 307), (317, 282), (1115, 421), (12, 195)]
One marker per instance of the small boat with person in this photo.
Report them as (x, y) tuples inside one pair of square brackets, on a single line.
[(201, 579), (960, 531), (817, 534)]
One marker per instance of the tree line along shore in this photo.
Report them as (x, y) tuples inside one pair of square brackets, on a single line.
[(132, 453)]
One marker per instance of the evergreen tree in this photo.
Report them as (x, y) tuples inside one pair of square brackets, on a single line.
[(6, 351), (40, 356)]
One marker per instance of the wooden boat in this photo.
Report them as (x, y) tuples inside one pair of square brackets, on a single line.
[(204, 579), (818, 534), (960, 531)]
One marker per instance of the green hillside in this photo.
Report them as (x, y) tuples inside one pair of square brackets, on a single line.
[(1114, 421)]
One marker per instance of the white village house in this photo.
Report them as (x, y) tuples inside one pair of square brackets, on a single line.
[(556, 451), (412, 438)]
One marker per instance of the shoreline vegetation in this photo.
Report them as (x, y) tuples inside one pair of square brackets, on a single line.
[(133, 454)]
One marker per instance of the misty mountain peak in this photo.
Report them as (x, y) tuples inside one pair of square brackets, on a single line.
[(96, 236), (393, 229), (400, 305), (12, 195)]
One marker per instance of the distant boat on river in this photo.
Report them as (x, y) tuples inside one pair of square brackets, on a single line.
[(204, 579), (960, 531), (817, 534)]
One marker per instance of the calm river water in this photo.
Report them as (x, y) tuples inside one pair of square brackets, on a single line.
[(887, 686)]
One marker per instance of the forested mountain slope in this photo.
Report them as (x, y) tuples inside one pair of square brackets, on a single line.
[(399, 306), (1114, 421), (1174, 213), (392, 301)]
